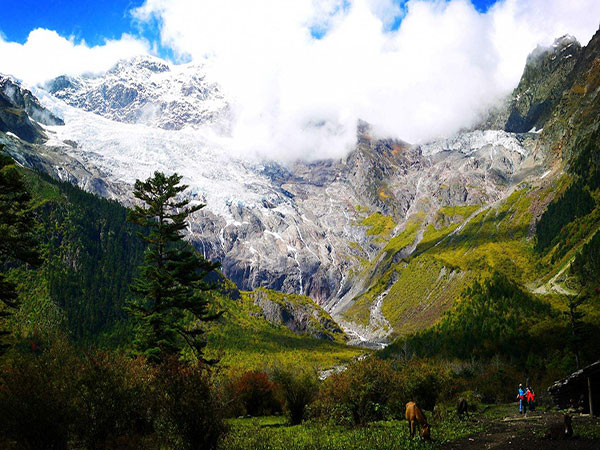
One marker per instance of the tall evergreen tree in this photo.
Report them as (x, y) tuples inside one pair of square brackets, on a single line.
[(17, 241), (172, 287)]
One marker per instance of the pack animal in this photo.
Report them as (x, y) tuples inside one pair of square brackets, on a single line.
[(415, 418), (462, 408), (562, 430)]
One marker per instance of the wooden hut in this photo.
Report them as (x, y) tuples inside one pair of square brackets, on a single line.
[(580, 389)]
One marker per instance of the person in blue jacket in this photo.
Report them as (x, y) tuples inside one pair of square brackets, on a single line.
[(522, 401)]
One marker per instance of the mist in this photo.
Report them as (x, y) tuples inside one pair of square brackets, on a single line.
[(300, 73), (300, 96)]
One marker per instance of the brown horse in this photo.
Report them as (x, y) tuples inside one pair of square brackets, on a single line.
[(414, 414)]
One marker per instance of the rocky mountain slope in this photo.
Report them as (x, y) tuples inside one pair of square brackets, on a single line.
[(21, 113), (423, 269), (383, 238), (548, 73)]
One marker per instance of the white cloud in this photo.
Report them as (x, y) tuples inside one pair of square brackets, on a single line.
[(46, 55), (300, 97), (295, 96)]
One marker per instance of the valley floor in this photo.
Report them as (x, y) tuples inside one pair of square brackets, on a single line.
[(498, 428), (519, 433)]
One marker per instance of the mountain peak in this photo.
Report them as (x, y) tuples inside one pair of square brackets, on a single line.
[(545, 77), (564, 47), (144, 89), (141, 63)]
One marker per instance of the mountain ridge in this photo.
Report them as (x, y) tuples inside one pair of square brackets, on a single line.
[(337, 230)]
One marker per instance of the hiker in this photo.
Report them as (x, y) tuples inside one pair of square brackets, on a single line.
[(530, 399), (522, 402)]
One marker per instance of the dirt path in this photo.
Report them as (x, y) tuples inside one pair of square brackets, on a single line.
[(520, 433)]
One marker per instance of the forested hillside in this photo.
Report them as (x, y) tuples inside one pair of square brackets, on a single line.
[(90, 255)]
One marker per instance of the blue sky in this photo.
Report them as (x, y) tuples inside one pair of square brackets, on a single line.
[(95, 21)]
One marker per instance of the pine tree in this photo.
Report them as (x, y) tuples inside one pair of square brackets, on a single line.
[(17, 241), (172, 287)]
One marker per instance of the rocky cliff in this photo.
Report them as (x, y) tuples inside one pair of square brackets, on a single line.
[(298, 313)]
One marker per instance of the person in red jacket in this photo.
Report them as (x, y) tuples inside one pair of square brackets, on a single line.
[(530, 398)]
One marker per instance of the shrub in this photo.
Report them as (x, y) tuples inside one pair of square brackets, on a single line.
[(497, 384), (367, 390), (298, 388), (255, 392), (186, 410), (375, 389), (36, 393), (112, 401), (425, 383)]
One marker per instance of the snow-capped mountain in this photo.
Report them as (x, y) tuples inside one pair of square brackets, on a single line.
[(149, 91), (307, 227), (296, 228)]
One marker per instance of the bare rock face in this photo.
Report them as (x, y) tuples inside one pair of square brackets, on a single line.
[(297, 313), (548, 73), (25, 100), (20, 112)]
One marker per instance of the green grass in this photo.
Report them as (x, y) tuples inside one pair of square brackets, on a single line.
[(275, 433), (243, 338), (586, 430), (379, 225), (445, 261)]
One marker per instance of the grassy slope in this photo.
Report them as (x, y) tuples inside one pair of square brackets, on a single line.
[(243, 338), (425, 284)]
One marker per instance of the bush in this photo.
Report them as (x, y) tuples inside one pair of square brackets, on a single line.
[(186, 410), (36, 392), (375, 389), (53, 398), (367, 390), (255, 392), (298, 388), (497, 384), (426, 383), (113, 401)]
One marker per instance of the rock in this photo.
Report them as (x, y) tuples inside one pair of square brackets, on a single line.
[(298, 313), (23, 99)]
